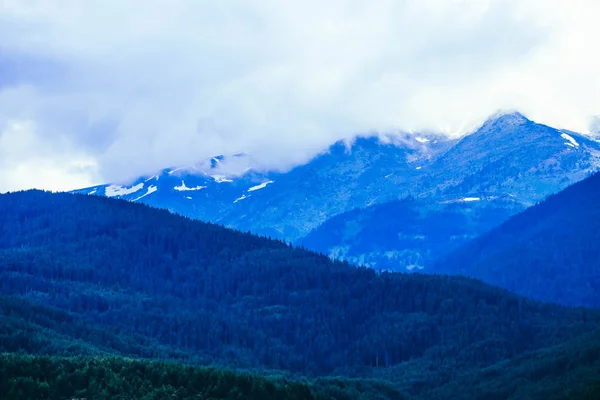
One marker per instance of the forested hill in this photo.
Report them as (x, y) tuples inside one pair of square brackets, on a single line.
[(550, 251), (25, 377), (91, 275), (407, 234)]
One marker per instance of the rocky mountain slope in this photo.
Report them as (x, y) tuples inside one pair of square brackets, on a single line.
[(508, 157), (347, 175)]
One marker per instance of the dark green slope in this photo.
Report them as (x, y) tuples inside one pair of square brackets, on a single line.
[(92, 276), (570, 370), (38, 378), (549, 252)]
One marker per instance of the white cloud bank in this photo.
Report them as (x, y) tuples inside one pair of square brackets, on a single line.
[(108, 89)]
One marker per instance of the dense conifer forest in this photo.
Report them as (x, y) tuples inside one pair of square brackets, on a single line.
[(26, 377), (94, 277)]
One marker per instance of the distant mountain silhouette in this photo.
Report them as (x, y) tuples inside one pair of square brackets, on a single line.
[(549, 252)]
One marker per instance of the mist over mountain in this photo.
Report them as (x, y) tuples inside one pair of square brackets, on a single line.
[(505, 166), (299, 200), (347, 175)]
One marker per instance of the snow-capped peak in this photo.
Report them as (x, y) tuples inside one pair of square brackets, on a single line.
[(221, 168)]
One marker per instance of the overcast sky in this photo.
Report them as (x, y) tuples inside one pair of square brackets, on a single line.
[(103, 90)]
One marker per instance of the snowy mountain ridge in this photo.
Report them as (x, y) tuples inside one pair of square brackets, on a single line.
[(508, 156)]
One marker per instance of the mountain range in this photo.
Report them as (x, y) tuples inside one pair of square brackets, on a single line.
[(87, 276), (347, 175), (352, 194)]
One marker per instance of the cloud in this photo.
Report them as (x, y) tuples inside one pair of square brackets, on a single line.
[(29, 160), (133, 86)]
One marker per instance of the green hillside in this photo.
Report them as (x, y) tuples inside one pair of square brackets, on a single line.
[(94, 277)]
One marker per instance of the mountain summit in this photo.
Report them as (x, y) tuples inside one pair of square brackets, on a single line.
[(347, 175), (506, 118), (508, 156)]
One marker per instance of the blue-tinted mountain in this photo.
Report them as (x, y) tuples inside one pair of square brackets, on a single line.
[(507, 157), (548, 252), (92, 275), (347, 175), (407, 234), (512, 155), (504, 167)]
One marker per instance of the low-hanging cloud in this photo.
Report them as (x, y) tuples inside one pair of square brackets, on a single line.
[(104, 90)]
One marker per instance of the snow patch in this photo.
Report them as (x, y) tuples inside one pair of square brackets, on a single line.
[(421, 139), (151, 190), (188, 197), (241, 198), (152, 177), (184, 188), (93, 191), (221, 178), (471, 198), (117, 190), (419, 167), (171, 172), (572, 141), (261, 186), (569, 144)]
